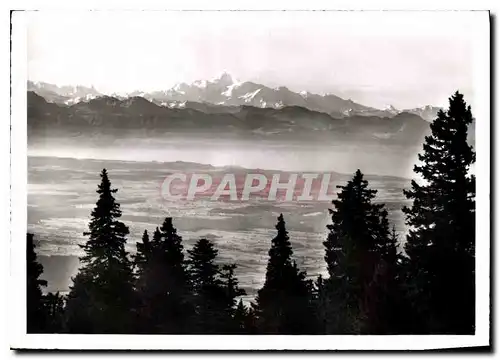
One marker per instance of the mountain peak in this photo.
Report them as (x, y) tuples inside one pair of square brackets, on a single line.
[(224, 79), (391, 109)]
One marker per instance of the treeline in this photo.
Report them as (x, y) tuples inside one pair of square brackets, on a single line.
[(371, 288)]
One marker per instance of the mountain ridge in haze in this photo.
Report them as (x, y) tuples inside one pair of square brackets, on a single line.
[(224, 92), (138, 116)]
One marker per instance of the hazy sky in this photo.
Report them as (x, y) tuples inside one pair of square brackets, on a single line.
[(376, 58)]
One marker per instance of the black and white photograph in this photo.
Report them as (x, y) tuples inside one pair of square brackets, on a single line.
[(247, 174)]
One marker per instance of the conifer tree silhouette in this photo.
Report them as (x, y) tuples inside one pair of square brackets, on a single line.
[(35, 315), (208, 289), (284, 304), (143, 254), (146, 285), (441, 241), (80, 311), (163, 283), (385, 305), (102, 296), (215, 290), (357, 242)]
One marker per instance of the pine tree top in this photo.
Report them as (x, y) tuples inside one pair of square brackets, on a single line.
[(202, 265), (281, 248), (443, 204), (168, 226), (107, 235), (359, 232), (144, 251)]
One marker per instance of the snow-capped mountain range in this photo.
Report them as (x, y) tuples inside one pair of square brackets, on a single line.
[(226, 92), (66, 94)]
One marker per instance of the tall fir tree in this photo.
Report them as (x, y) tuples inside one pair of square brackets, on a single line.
[(232, 292), (357, 243), (441, 241), (284, 304), (163, 283), (35, 315), (142, 255), (146, 285), (210, 298), (102, 296)]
